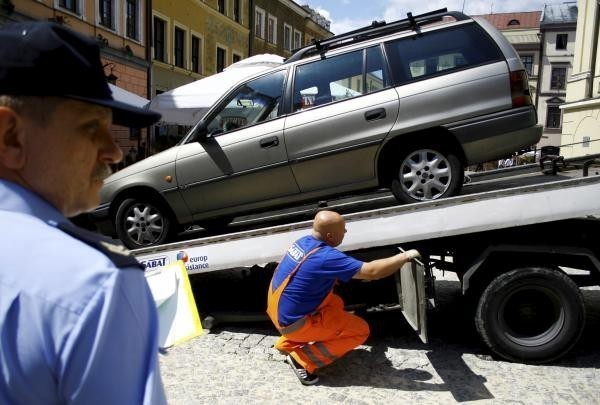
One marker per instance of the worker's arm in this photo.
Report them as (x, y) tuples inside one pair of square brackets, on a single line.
[(380, 268)]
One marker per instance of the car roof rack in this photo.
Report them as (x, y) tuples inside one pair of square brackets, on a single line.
[(375, 30)]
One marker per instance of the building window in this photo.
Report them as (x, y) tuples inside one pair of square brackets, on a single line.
[(237, 11), (297, 39), (159, 39), (196, 54), (561, 41), (132, 27), (106, 13), (221, 54), (558, 78), (272, 30), (528, 63), (513, 22), (221, 6), (287, 37), (236, 58), (70, 5), (553, 117), (259, 23), (179, 47)]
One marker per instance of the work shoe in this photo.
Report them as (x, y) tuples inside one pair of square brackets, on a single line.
[(304, 376)]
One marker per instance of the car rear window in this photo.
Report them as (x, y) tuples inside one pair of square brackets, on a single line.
[(439, 52)]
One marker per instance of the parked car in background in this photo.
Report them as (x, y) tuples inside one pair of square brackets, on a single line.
[(404, 105)]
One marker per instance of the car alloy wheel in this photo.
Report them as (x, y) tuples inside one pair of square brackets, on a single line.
[(141, 224), (425, 174)]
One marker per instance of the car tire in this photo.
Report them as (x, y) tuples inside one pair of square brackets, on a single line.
[(142, 223), (426, 174), (533, 314)]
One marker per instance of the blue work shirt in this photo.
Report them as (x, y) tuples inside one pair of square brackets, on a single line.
[(314, 279), (74, 328)]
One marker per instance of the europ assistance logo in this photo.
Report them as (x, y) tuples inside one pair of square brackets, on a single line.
[(193, 262), (183, 256)]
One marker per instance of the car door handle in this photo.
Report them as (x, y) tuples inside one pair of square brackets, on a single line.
[(269, 142), (376, 114)]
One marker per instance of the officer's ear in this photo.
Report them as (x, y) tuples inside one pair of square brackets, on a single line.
[(12, 134)]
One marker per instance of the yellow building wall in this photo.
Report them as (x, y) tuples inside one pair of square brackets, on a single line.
[(203, 20), (581, 114)]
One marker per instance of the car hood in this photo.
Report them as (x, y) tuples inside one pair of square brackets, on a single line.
[(163, 158)]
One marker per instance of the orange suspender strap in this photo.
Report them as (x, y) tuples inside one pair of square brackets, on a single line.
[(273, 299)]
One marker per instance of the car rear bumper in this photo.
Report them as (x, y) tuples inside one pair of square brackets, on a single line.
[(499, 134)]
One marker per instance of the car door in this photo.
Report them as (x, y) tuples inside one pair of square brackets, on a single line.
[(343, 108), (242, 158)]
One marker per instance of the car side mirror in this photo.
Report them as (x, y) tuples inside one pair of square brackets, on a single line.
[(201, 132)]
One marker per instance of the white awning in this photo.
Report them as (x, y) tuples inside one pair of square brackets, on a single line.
[(128, 97), (187, 104)]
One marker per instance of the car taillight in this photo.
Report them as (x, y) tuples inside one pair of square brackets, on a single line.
[(519, 89)]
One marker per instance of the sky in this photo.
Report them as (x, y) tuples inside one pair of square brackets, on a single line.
[(347, 15)]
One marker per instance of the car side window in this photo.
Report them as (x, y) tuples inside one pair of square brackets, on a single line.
[(338, 78), (438, 52), (256, 101)]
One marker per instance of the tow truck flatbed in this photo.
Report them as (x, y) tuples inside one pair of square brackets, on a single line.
[(516, 206), (509, 237)]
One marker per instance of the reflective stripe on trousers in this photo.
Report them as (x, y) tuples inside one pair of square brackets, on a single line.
[(325, 336)]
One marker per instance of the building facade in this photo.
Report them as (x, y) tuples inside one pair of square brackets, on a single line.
[(558, 26), (119, 26), (581, 111), (281, 26), (193, 39)]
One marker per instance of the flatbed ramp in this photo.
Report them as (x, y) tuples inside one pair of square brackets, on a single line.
[(392, 226)]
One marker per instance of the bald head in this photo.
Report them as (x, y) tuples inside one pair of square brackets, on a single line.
[(329, 227)]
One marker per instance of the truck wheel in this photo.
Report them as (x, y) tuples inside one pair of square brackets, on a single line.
[(426, 174), (142, 223), (531, 314)]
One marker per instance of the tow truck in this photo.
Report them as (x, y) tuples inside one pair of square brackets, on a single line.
[(521, 252)]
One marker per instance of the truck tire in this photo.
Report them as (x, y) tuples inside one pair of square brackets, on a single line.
[(425, 174), (533, 314), (142, 223)]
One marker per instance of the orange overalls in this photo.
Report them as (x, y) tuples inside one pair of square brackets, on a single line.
[(321, 337)]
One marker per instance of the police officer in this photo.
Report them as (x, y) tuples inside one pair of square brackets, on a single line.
[(77, 321)]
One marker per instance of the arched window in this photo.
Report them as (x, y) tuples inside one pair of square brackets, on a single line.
[(514, 22)]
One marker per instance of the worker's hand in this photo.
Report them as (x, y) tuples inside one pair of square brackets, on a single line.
[(412, 254)]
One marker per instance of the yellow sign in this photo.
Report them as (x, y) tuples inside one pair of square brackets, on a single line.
[(178, 317)]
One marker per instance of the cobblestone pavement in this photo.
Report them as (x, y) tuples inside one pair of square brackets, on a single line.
[(237, 364)]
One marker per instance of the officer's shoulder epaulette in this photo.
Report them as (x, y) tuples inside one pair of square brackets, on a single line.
[(114, 250)]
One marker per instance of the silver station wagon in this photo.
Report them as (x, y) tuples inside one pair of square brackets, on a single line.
[(404, 105)]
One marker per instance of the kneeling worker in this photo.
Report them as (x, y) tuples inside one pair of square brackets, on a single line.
[(315, 328)]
